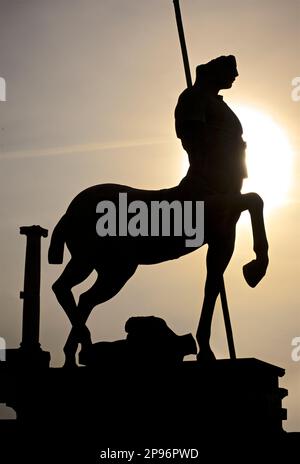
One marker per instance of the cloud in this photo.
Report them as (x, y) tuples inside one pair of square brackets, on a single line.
[(81, 148)]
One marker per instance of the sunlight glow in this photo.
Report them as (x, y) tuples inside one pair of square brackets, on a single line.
[(269, 157)]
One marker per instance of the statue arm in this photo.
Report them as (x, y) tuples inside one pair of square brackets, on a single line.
[(190, 121)]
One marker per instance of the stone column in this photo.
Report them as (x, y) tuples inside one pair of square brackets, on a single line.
[(31, 293)]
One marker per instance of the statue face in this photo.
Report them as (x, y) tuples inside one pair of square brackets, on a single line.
[(227, 76), (220, 72)]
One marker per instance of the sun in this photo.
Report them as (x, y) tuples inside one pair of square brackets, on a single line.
[(269, 157)]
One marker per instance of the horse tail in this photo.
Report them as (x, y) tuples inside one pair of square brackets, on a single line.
[(57, 243)]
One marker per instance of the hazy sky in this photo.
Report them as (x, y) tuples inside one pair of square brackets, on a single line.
[(91, 91)]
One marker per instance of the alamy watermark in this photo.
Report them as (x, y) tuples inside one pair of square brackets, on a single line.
[(2, 349), (295, 94), (155, 219), (296, 350), (2, 89)]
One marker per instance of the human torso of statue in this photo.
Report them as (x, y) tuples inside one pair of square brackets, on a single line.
[(211, 134)]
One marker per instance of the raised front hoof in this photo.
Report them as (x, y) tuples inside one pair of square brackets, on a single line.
[(205, 355), (255, 271)]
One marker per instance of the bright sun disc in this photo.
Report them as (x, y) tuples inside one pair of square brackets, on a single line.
[(269, 157)]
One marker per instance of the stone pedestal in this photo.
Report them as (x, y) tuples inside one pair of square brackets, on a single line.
[(185, 406)]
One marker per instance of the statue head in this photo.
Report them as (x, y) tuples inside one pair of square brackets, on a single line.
[(220, 72)]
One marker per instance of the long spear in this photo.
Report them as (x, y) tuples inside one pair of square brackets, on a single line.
[(187, 71)]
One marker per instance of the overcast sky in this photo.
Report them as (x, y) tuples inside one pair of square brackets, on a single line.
[(91, 91)]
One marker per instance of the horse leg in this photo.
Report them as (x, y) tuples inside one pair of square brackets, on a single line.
[(75, 272), (218, 256), (109, 282), (255, 270)]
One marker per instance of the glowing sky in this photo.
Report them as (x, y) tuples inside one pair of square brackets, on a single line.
[(91, 91)]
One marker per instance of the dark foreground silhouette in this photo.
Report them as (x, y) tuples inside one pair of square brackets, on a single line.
[(212, 137), (136, 395), (71, 415), (149, 342)]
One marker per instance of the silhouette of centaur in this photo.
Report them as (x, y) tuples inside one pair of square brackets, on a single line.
[(212, 136)]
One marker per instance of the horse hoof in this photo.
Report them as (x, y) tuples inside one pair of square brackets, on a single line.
[(205, 355), (255, 271)]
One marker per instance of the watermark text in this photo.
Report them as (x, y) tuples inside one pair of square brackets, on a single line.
[(296, 350), (2, 349), (153, 218), (295, 94), (2, 89)]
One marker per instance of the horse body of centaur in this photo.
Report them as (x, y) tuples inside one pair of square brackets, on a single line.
[(116, 258)]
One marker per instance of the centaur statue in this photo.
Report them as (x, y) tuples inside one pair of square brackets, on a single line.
[(211, 134)]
